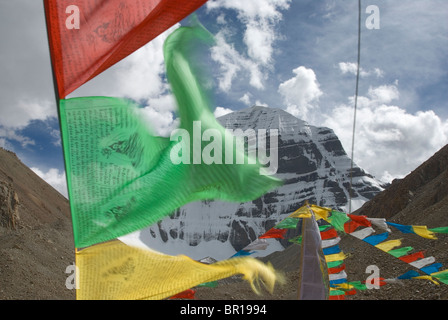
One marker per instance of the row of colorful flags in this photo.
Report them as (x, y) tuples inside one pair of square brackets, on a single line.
[(120, 175), (333, 224)]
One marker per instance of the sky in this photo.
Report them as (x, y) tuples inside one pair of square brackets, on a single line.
[(300, 56)]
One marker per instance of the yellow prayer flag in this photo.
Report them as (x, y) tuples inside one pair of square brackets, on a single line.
[(302, 212), (344, 286), (388, 245), (427, 278), (423, 231), (320, 212), (335, 257), (116, 271)]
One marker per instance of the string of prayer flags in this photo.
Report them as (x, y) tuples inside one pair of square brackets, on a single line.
[(422, 231), (314, 283), (361, 227)]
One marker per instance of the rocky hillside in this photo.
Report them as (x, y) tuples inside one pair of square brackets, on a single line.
[(36, 240), (419, 198)]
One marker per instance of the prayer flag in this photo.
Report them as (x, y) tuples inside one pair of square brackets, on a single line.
[(400, 251), (288, 223), (351, 226), (362, 220), (274, 233), (435, 267), (388, 245), (402, 228), (187, 294), (328, 234), (335, 257), (376, 239), (422, 262), (412, 257), (121, 176), (87, 37), (423, 231), (363, 233), (116, 271), (338, 219), (439, 230)]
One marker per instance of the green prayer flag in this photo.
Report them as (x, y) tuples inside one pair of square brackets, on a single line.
[(337, 292), (400, 251), (439, 230), (337, 219), (442, 276), (211, 284), (358, 285), (297, 240), (288, 223), (334, 264), (122, 177), (324, 227)]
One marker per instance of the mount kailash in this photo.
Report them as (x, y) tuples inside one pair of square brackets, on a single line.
[(311, 162)]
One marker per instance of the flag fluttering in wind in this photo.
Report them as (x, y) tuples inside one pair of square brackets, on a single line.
[(121, 177)]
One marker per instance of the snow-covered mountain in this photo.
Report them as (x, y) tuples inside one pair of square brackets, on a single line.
[(311, 162)]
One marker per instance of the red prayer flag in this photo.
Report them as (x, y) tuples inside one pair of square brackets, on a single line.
[(350, 292), (274, 233), (87, 37), (412, 257), (187, 294), (351, 226), (340, 297), (328, 234), (336, 269), (362, 220)]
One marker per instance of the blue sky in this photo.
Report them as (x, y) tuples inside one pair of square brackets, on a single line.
[(299, 56)]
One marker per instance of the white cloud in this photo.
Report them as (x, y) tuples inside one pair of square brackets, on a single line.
[(55, 178), (260, 18), (140, 76), (246, 98), (19, 114), (352, 68), (221, 111), (232, 63), (10, 134), (384, 94), (389, 141), (301, 92)]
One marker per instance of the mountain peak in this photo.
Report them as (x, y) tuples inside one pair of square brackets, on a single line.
[(311, 162)]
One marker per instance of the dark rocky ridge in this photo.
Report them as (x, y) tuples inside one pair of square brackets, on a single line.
[(313, 165)]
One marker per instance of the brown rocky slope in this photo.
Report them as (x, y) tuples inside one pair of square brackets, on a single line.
[(36, 239)]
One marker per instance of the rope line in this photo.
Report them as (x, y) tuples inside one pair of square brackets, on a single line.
[(355, 106)]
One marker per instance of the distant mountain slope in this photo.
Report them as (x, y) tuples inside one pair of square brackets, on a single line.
[(36, 238), (419, 198)]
